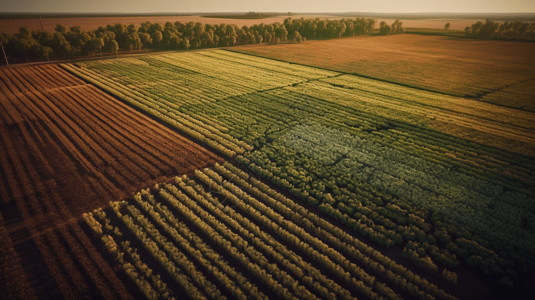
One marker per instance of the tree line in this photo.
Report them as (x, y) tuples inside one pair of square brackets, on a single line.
[(508, 30), (73, 41)]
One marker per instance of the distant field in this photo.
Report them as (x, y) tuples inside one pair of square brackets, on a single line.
[(67, 148), (448, 65), (91, 23)]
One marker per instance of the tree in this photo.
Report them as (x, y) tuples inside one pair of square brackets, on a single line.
[(487, 30), (60, 45), (268, 38), (4, 40), (232, 40), (95, 45), (44, 38), (45, 52), (397, 27), (185, 43), (447, 26), (24, 44), (108, 37), (61, 29), (157, 37), (195, 42), (114, 47), (146, 39), (384, 28), (297, 37), (24, 32), (75, 41), (174, 42), (135, 41)]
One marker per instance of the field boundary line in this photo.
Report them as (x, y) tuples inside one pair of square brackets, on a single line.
[(345, 73), (152, 117)]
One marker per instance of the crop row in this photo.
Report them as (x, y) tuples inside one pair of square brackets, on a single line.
[(184, 123), (232, 236), (68, 147)]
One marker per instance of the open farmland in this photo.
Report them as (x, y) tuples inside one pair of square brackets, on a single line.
[(92, 23), (477, 69), (448, 181), (223, 233), (67, 148)]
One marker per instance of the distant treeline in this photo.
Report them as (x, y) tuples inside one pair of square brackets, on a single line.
[(508, 30), (71, 42), (249, 15)]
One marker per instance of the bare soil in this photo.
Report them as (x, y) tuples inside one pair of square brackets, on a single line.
[(91, 23), (67, 148)]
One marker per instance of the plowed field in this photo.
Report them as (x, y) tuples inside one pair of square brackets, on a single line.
[(66, 148)]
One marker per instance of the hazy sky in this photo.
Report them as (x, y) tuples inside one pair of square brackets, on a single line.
[(267, 5)]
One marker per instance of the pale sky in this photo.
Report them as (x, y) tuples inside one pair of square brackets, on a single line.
[(146, 6)]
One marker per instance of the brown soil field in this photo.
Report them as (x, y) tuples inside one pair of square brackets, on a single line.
[(67, 148), (461, 67), (91, 23), (455, 24)]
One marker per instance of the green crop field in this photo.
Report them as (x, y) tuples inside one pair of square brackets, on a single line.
[(257, 243), (446, 182)]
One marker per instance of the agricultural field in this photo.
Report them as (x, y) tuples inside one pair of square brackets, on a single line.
[(68, 148), (475, 69), (223, 233), (8, 25), (336, 169), (446, 182)]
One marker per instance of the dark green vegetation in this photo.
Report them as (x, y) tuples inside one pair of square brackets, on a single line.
[(501, 31), (249, 15), (360, 150), (73, 41), (435, 31)]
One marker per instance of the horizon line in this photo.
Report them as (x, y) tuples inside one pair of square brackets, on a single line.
[(270, 12)]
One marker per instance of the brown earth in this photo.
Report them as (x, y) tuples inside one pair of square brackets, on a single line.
[(91, 23), (449, 65), (67, 148), (455, 24)]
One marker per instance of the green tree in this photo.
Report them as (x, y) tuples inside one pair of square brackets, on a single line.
[(157, 37), (135, 41), (447, 26), (174, 42), (397, 27), (297, 37), (45, 52), (146, 39), (384, 28), (185, 43), (61, 29), (195, 42), (114, 47), (60, 45), (95, 45)]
